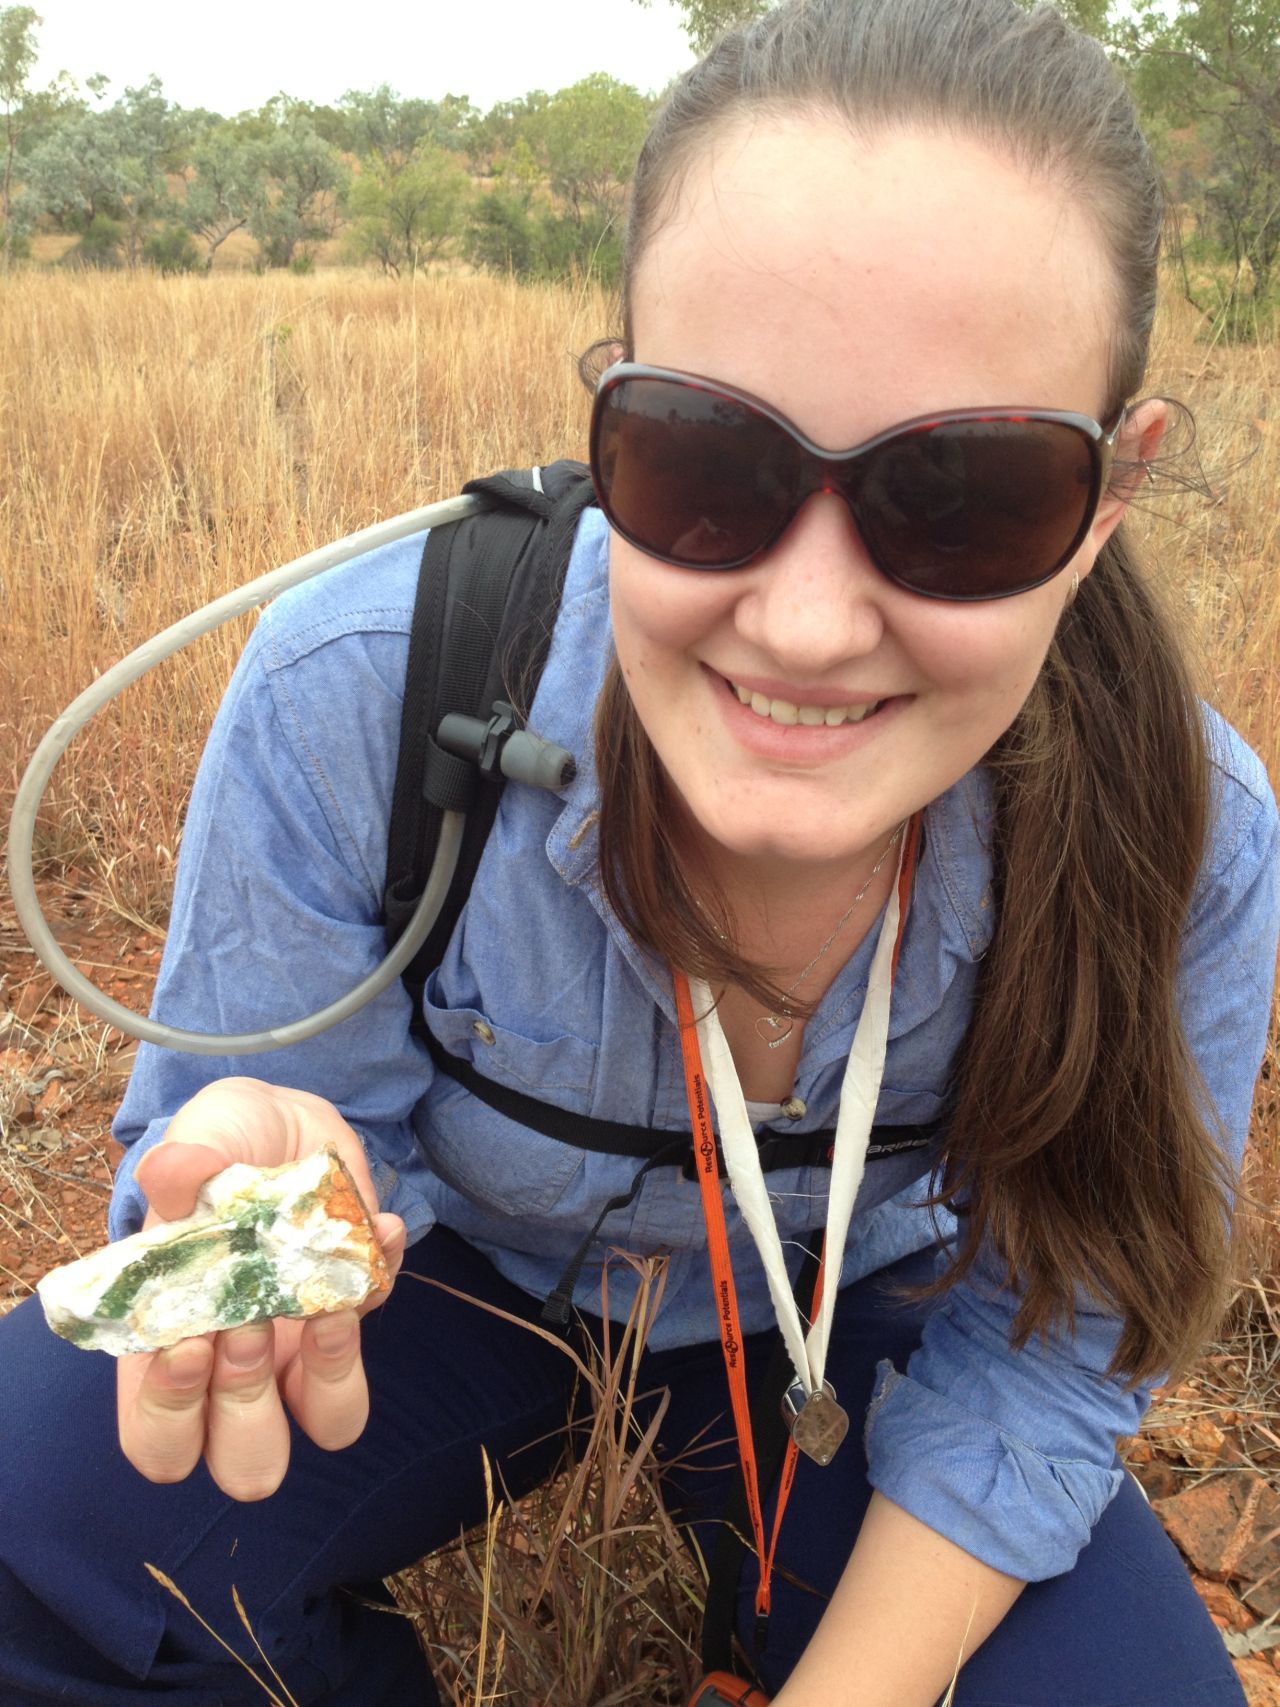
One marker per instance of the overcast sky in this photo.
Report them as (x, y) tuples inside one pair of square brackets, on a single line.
[(238, 53)]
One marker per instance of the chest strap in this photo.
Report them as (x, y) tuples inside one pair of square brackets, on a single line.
[(652, 1147), (659, 1145)]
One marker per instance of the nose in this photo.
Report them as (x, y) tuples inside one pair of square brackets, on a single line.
[(815, 600)]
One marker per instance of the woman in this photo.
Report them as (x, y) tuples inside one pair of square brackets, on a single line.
[(922, 710)]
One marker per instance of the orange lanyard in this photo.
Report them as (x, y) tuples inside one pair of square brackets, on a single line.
[(704, 1145)]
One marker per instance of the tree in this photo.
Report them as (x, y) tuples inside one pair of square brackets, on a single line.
[(284, 109), (704, 20), (402, 216), (387, 126), (1215, 65), (297, 203), (588, 138), (222, 194), (108, 165), (17, 56), (1091, 16), (147, 131), (489, 138)]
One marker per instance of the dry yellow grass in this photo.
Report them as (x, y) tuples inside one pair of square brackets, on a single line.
[(165, 440)]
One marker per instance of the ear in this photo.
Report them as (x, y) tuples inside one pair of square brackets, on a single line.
[(1138, 445)]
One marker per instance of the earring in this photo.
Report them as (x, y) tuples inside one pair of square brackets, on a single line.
[(1075, 588)]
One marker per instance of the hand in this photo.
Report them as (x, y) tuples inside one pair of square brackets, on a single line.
[(223, 1395)]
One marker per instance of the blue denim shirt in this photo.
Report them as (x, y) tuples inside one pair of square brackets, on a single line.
[(277, 911)]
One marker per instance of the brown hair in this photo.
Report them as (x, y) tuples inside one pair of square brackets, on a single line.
[(1075, 1146)]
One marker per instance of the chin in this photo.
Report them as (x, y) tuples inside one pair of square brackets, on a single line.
[(770, 841)]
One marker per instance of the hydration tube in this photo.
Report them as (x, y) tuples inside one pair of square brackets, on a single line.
[(525, 764)]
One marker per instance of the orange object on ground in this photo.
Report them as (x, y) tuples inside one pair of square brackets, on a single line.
[(719, 1689)]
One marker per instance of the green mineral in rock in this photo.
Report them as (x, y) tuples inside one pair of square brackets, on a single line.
[(118, 1299), (252, 1293), (79, 1333)]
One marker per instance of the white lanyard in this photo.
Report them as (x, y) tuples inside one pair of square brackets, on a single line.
[(859, 1094)]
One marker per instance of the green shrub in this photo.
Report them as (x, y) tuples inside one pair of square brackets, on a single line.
[(1244, 320), (99, 245), (19, 244), (502, 235), (172, 250), (511, 233), (590, 247)]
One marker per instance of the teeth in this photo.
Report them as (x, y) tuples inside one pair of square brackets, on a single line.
[(785, 712)]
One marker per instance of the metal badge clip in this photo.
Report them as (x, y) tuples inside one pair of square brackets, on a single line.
[(815, 1421)]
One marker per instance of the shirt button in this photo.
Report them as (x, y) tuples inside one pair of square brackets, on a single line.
[(484, 1031), (794, 1108)]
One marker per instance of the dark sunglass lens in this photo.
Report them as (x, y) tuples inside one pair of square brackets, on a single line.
[(686, 473), (976, 509)]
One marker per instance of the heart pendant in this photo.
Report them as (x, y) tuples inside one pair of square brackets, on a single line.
[(774, 1031)]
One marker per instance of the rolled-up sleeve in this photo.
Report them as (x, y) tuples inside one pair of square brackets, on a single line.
[(1012, 1455), (277, 906)]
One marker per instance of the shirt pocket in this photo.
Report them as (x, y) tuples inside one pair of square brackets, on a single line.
[(486, 1156), (901, 1105)]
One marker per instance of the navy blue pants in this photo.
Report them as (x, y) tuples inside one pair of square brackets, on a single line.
[(82, 1622)]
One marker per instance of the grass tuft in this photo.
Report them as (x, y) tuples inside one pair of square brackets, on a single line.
[(583, 1593)]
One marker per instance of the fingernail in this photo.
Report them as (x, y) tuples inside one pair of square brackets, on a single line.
[(334, 1334), (187, 1366), (246, 1347)]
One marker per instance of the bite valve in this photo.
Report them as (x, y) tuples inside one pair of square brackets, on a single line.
[(501, 745)]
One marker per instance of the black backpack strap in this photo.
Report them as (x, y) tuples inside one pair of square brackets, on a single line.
[(641, 1143), (488, 591)]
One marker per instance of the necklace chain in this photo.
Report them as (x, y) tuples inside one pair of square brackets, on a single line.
[(774, 1029)]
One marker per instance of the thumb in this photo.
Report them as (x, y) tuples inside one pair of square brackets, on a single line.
[(229, 1120), (172, 1173)]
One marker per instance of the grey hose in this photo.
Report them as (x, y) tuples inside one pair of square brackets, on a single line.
[(122, 675)]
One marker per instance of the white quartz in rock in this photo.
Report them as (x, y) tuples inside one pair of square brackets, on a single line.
[(262, 1242)]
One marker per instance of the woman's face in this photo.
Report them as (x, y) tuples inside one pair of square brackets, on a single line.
[(852, 286)]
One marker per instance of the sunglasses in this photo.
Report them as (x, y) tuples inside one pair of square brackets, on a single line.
[(964, 504)]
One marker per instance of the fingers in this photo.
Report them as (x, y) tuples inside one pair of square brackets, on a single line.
[(197, 1398), (160, 1409), (248, 1437), (224, 1402), (222, 1398), (325, 1384)]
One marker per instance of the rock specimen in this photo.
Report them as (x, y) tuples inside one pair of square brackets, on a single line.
[(289, 1241)]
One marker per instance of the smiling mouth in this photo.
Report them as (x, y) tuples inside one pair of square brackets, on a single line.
[(786, 713)]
